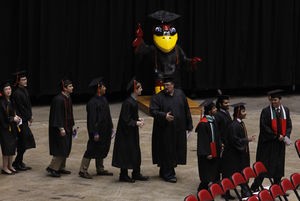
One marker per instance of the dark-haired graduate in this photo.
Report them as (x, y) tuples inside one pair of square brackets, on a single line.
[(61, 122), (172, 121), (208, 146), (24, 110), (274, 135), (100, 128), (236, 151), (127, 152), (8, 128)]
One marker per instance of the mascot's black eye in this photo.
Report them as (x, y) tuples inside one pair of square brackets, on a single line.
[(172, 31), (158, 31)]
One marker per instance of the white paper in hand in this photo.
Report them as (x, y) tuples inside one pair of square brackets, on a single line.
[(287, 140)]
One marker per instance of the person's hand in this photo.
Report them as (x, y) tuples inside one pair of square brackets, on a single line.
[(252, 138), (62, 132), (17, 119), (209, 157), (169, 117), (140, 124), (281, 138), (96, 137)]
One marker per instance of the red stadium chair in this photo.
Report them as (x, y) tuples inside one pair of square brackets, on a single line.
[(227, 184), (216, 190), (287, 185), (295, 179), (238, 179), (297, 146), (264, 195), (277, 192), (190, 198), (248, 173), (260, 168), (253, 198), (204, 195)]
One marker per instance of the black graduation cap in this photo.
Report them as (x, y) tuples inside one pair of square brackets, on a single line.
[(96, 82), (277, 93), (168, 78), (64, 82), (164, 16), (208, 104), (131, 85), (4, 84), (240, 104), (20, 73), (237, 107)]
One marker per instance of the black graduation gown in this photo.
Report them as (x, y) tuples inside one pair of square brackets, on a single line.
[(209, 169), (169, 143), (127, 152), (98, 121), (236, 150), (223, 120), (8, 128), (61, 116), (24, 110), (270, 150)]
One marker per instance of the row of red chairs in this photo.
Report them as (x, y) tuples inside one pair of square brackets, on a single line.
[(279, 190), (238, 178)]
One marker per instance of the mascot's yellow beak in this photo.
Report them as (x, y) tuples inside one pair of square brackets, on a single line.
[(165, 43)]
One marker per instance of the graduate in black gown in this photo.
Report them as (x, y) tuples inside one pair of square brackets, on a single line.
[(100, 128), (61, 122), (274, 135), (24, 110), (172, 121), (208, 146), (236, 152), (127, 151), (9, 123), (223, 120)]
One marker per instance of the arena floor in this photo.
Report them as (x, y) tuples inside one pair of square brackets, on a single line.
[(35, 185)]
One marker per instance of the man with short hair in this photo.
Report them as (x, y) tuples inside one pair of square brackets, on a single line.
[(99, 125), (24, 110), (61, 122), (172, 121), (274, 135), (127, 151)]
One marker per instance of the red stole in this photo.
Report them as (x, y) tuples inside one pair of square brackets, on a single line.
[(282, 121)]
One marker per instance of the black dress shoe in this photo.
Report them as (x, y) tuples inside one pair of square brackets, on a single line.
[(7, 173), (171, 180), (53, 173), (126, 179), (23, 165), (85, 175), (140, 177), (63, 171), (105, 173)]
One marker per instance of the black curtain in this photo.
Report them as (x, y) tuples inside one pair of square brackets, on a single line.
[(243, 44)]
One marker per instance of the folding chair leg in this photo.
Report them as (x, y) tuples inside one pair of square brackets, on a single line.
[(237, 194), (297, 194)]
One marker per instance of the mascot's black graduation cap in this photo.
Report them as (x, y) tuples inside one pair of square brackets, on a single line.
[(164, 16)]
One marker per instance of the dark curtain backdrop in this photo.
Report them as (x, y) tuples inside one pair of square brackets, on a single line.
[(244, 43)]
